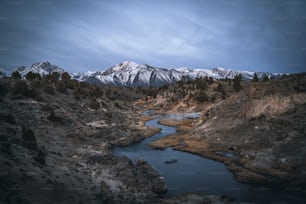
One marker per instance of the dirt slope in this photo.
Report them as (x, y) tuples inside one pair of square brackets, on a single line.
[(258, 132)]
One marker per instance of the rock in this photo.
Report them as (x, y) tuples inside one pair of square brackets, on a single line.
[(159, 185), (232, 148), (124, 141), (100, 159), (41, 156), (200, 199), (171, 161)]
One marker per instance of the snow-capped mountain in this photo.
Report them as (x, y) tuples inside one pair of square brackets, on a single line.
[(221, 73), (131, 74), (3, 73), (43, 68)]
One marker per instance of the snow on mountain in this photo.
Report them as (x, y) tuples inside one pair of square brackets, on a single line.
[(43, 68), (124, 66), (3, 73), (131, 74), (228, 73), (84, 76)]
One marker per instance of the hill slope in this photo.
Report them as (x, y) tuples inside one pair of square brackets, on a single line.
[(56, 144), (258, 132)]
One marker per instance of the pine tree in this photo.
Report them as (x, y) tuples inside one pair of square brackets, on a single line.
[(66, 77), (255, 79), (60, 86), (16, 75), (32, 76), (236, 84), (265, 77)]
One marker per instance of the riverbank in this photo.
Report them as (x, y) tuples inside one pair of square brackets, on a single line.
[(177, 185), (246, 168), (139, 131)]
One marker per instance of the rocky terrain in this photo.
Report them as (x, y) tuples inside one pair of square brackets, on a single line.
[(258, 130), (57, 135), (56, 144)]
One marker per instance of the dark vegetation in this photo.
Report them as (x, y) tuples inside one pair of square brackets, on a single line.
[(206, 90), (200, 91), (53, 84), (29, 138), (46, 90), (55, 119), (44, 122)]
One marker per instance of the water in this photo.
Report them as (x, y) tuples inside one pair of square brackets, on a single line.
[(192, 173)]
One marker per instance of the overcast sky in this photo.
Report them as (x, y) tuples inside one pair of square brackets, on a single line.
[(81, 35)]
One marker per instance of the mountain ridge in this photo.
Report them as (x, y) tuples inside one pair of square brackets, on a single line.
[(131, 74)]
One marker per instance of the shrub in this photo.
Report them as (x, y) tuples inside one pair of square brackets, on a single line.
[(41, 156), (10, 119), (53, 78), (61, 87), (213, 98), (67, 80), (229, 81), (220, 88), (56, 119), (66, 77), (236, 84), (3, 89), (94, 104), (20, 87), (49, 90), (5, 144), (117, 105), (202, 97), (255, 78), (74, 83), (76, 92), (210, 80), (35, 83), (265, 78), (46, 107), (32, 76), (33, 93), (29, 138), (16, 75)]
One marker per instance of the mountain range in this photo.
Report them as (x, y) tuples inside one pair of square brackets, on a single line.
[(130, 74)]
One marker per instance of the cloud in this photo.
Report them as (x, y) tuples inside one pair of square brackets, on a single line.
[(254, 35)]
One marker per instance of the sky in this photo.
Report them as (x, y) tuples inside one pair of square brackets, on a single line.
[(82, 35)]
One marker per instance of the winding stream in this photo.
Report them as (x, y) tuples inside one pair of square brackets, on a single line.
[(192, 173)]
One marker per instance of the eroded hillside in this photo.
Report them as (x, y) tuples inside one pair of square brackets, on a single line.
[(258, 130), (56, 139)]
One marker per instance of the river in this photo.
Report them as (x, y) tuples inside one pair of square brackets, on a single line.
[(185, 172)]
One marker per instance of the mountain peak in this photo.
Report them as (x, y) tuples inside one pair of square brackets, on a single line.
[(43, 68), (220, 69), (123, 66), (129, 73)]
